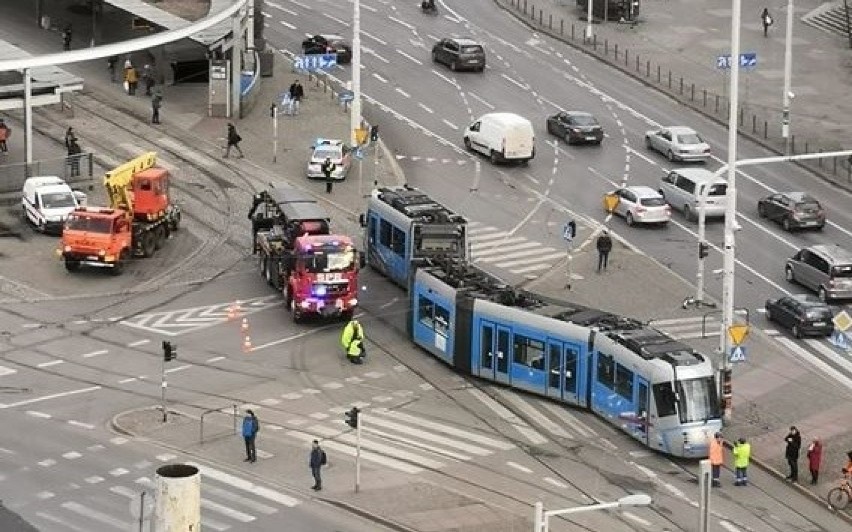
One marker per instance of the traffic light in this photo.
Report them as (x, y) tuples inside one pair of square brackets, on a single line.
[(703, 249), (374, 133), (169, 351), (352, 417)]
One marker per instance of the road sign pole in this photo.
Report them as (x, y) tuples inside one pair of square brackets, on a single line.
[(274, 113), (376, 165), (163, 386), (788, 68), (355, 109), (589, 22)]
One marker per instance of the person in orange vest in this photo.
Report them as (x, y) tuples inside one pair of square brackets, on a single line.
[(717, 458), (5, 132)]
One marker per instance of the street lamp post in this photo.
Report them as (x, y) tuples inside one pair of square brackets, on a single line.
[(542, 516), (788, 73), (589, 22), (355, 109)]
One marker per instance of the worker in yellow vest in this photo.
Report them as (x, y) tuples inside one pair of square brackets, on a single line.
[(352, 340), (742, 454)]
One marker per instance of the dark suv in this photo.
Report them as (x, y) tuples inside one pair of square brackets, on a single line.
[(793, 210), (459, 54)]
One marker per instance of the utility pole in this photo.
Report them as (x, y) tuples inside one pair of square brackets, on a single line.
[(588, 22), (730, 215), (788, 74), (355, 110)]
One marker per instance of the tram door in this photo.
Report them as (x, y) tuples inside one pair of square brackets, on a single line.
[(562, 371), (642, 410), (494, 348)]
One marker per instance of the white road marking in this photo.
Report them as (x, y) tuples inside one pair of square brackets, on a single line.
[(569, 419), (422, 106), (641, 155), (730, 527), (119, 471), (636, 519), (378, 77), (64, 522), (814, 362), (445, 78), (45, 495), (94, 353), (228, 512), (94, 479), (519, 424), (370, 35), (514, 82), (165, 457), (374, 54), (71, 455), (480, 100), (402, 92), (179, 368), (409, 57), (118, 440), (91, 513), (365, 454), (41, 415), (137, 343), (342, 22), (446, 429), (534, 414), (42, 365), (49, 397), (372, 444), (401, 22), (453, 126), (378, 420), (47, 463), (125, 381), (87, 426), (214, 359), (244, 501), (124, 491), (287, 24), (245, 485), (396, 438), (519, 467), (831, 354), (555, 482), (332, 385)]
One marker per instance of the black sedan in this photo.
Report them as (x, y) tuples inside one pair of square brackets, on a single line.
[(803, 314), (793, 210), (328, 44), (575, 127)]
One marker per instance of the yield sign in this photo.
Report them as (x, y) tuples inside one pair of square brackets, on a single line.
[(738, 333), (610, 202)]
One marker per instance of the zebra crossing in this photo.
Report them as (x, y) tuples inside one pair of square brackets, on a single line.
[(690, 328), (228, 502), (494, 247)]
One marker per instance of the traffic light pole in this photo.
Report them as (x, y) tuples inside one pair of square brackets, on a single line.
[(358, 454), (163, 385)]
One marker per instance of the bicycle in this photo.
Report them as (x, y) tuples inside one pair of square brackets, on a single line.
[(839, 497)]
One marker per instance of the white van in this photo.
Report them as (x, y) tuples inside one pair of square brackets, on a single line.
[(683, 187), (502, 137), (47, 201)]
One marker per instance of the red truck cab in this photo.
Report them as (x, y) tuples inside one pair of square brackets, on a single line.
[(324, 276)]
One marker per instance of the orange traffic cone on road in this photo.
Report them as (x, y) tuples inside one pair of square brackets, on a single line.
[(232, 312), (247, 344), (245, 326)]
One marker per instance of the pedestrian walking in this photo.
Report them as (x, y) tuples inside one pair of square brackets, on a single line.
[(131, 78), (766, 20), (112, 62), (5, 133), (297, 92), (794, 445), (147, 79), (604, 245), (66, 38), (234, 140), (352, 340), (74, 154), (156, 103), (328, 168), (69, 136), (251, 426), (717, 458), (814, 459), (317, 460), (847, 469), (742, 455)]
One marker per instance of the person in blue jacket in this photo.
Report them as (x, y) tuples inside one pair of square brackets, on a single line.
[(250, 427)]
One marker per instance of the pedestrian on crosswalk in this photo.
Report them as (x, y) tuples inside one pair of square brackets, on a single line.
[(604, 245), (251, 426), (317, 460), (742, 455)]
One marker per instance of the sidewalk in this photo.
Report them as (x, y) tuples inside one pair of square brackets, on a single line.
[(674, 49)]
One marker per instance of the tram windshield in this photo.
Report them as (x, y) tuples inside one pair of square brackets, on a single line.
[(697, 400)]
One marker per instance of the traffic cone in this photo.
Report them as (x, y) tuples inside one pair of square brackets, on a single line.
[(237, 308), (247, 344), (245, 326), (232, 312)]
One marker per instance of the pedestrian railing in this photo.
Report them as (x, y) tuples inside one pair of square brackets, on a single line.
[(75, 170), (227, 411)]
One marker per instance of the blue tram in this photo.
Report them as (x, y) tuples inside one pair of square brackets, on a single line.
[(405, 227), (659, 391)]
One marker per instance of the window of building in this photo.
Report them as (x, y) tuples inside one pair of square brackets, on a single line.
[(529, 352), (606, 370), (624, 382)]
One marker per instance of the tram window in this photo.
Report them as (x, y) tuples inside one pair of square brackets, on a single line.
[(385, 232), (624, 382), (665, 399), (502, 350), (398, 242), (442, 320), (606, 370), (529, 352), (426, 312), (485, 345), (571, 356)]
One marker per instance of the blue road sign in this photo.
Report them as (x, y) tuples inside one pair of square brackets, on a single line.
[(569, 230), (839, 340), (314, 62), (738, 354), (346, 96), (747, 60), (358, 153)]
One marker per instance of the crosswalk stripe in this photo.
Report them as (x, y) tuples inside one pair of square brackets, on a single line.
[(245, 485), (531, 412), (813, 361), (124, 491), (524, 249), (472, 449), (479, 246), (472, 436), (367, 443), (519, 424), (692, 319), (366, 455), (239, 499), (830, 354), (569, 419), (91, 513), (698, 334), (477, 231), (64, 522), (536, 258), (415, 443), (686, 327), (533, 268), (531, 256), (208, 522), (226, 511)]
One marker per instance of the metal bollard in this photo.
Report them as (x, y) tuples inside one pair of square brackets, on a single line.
[(754, 123), (626, 54), (681, 85), (819, 161), (561, 26), (659, 74), (670, 79), (572, 31), (793, 144), (692, 93), (606, 46), (525, 7), (550, 21), (648, 69), (637, 62), (616, 51), (595, 41), (717, 104), (532, 12), (765, 129), (705, 97)]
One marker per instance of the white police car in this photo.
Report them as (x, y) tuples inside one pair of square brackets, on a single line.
[(47, 201), (336, 150)]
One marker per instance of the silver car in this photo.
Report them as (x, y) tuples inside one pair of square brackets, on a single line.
[(641, 205), (678, 144), (336, 150)]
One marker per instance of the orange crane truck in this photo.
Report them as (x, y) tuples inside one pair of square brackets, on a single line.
[(137, 223)]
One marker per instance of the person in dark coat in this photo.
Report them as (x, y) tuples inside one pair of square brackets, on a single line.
[(156, 103), (328, 168), (297, 92), (815, 459), (112, 63), (5, 133), (766, 20), (74, 152), (69, 136), (66, 38), (234, 140), (604, 245), (250, 427), (794, 445), (316, 462)]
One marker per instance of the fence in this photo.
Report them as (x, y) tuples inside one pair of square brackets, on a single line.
[(13, 175), (760, 123), (222, 411)]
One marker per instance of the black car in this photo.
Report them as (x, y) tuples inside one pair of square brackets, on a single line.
[(459, 54), (575, 127), (802, 314), (793, 210), (328, 44)]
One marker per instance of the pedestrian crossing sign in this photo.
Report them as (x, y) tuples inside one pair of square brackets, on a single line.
[(840, 340), (738, 354)]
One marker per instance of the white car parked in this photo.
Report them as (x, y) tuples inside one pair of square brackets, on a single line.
[(642, 205), (47, 201), (678, 144)]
